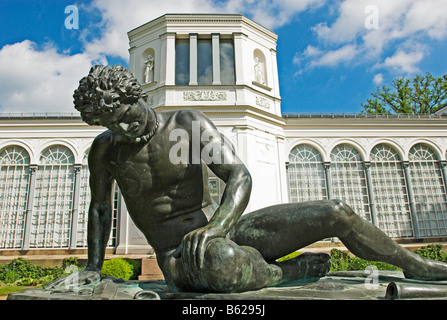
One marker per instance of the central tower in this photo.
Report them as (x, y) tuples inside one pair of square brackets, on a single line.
[(225, 66)]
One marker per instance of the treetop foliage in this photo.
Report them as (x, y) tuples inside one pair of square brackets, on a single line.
[(421, 95)]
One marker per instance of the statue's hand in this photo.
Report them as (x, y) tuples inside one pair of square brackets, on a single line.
[(77, 278), (193, 246)]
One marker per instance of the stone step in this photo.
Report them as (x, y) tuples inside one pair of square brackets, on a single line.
[(150, 270)]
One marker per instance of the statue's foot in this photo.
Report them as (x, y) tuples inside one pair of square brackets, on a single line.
[(305, 266), (431, 270)]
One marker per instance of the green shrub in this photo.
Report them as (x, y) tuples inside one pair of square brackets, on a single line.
[(432, 252), (341, 261), (22, 272), (118, 268), (136, 269), (70, 261)]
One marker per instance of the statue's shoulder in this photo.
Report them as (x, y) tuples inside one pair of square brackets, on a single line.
[(103, 139), (185, 116), (101, 144)]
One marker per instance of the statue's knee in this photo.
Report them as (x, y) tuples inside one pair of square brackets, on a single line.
[(227, 268), (341, 213)]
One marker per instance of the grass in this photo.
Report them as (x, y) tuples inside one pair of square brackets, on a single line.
[(342, 261), (7, 289)]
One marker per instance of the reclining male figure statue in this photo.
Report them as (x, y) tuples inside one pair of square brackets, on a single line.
[(169, 202)]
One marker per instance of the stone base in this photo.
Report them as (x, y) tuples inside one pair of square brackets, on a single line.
[(352, 285), (150, 270)]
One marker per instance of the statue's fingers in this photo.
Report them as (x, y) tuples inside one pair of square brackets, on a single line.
[(178, 252), (201, 252), (186, 254)]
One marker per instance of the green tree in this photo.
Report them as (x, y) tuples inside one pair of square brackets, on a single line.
[(420, 95)]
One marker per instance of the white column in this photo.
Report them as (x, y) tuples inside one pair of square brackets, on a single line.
[(216, 58), (167, 63), (239, 39), (29, 206), (75, 208), (274, 73), (193, 59), (132, 66), (283, 185)]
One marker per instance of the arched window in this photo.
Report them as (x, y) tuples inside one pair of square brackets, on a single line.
[(84, 205), (348, 179), (14, 174), (306, 175), (429, 191), (53, 202), (390, 192)]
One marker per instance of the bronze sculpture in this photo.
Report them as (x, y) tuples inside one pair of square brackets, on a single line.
[(169, 201)]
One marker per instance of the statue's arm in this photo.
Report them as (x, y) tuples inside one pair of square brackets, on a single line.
[(100, 210), (234, 199), (238, 184), (99, 222)]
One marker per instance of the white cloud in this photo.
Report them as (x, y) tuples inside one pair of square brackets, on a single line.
[(39, 80), (428, 16), (334, 57), (404, 62), (312, 51), (378, 79), (399, 22), (270, 13)]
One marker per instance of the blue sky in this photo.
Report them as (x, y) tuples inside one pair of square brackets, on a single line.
[(331, 54)]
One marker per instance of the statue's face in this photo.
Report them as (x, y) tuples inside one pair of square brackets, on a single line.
[(131, 122), (128, 120)]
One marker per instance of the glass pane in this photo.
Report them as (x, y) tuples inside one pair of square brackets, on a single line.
[(348, 179), (182, 62), (390, 192), (14, 174), (53, 199), (306, 174), (227, 72), (204, 62), (429, 191)]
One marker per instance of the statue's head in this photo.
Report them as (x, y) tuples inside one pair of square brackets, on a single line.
[(105, 94)]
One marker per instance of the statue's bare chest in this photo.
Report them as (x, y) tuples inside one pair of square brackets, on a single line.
[(145, 168)]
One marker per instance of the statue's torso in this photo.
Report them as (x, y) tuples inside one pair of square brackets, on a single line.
[(163, 199)]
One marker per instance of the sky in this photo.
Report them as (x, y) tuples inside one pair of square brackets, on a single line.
[(332, 54)]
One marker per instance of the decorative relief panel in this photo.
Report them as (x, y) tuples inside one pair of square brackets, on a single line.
[(262, 102), (204, 95), (265, 152)]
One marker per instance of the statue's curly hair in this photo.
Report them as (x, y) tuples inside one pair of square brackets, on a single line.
[(105, 88)]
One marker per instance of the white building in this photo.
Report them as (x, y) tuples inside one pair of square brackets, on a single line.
[(390, 169)]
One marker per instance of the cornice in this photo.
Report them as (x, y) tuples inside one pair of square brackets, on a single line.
[(228, 111), (364, 122), (193, 19)]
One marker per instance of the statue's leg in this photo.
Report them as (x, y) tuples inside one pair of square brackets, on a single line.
[(279, 230)]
